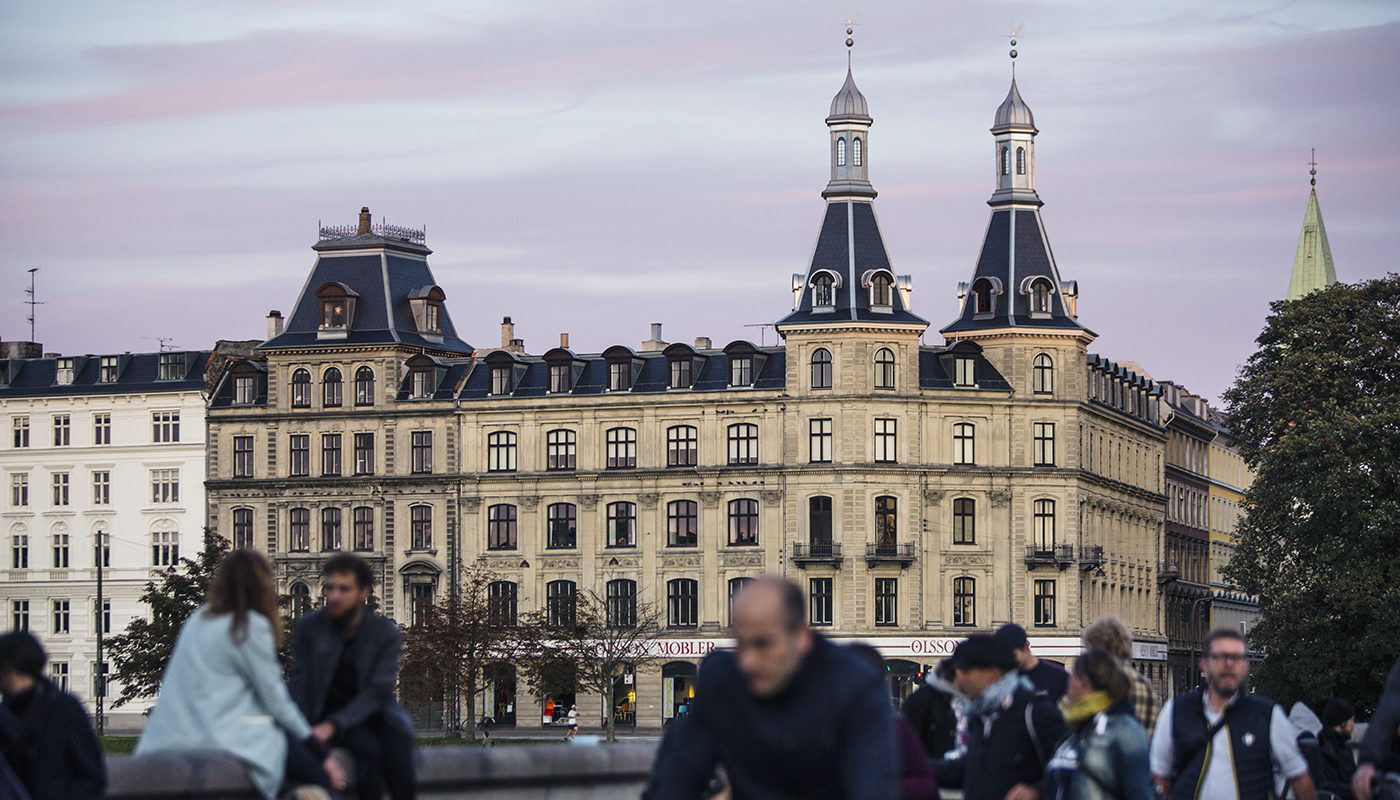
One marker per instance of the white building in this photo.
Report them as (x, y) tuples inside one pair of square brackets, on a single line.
[(106, 448)]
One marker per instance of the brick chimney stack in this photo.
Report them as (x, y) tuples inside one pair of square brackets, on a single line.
[(655, 342), (364, 220), (507, 332)]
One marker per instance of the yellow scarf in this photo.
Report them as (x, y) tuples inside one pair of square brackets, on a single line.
[(1082, 710)]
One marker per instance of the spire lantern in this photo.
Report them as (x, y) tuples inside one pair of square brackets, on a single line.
[(1013, 129)]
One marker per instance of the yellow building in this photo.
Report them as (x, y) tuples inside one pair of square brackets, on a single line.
[(1230, 478)]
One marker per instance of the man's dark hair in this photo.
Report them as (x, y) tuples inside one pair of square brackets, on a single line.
[(1013, 635), (342, 563), (1220, 633), (21, 653)]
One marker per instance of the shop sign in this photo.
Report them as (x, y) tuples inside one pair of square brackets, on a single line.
[(1149, 651), (689, 648)]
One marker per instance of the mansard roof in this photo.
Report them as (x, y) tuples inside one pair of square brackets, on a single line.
[(850, 247), (711, 371), (137, 373)]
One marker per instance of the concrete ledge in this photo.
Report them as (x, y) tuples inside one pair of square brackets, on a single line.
[(514, 771)]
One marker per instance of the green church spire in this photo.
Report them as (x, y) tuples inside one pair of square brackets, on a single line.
[(1312, 266)]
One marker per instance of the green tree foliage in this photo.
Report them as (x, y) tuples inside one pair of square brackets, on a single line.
[(139, 654), (1317, 413)]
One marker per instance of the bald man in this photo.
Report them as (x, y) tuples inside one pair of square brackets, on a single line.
[(787, 713)]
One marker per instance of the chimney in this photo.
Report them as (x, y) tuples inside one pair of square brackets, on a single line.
[(702, 343), (507, 332), (364, 220), (274, 324), (564, 340), (654, 343), (517, 346)]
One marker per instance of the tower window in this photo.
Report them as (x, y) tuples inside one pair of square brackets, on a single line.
[(884, 368), (881, 290), (840, 152), (1040, 297), (1020, 161), (821, 368), (856, 152), (823, 292), (982, 297), (1005, 160)]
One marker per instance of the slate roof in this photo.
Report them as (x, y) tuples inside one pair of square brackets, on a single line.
[(711, 375), (36, 377), (382, 283), (849, 244)]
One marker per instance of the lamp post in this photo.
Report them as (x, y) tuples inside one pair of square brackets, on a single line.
[(101, 619)]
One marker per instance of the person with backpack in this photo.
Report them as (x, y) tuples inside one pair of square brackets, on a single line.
[(1223, 743), (1011, 731), (1105, 755)]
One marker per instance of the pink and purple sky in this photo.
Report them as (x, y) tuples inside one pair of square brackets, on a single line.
[(596, 167)]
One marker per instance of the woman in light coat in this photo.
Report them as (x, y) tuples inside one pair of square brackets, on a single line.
[(223, 688)]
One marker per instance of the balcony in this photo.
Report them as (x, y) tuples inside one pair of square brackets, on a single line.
[(903, 554), (816, 553), (1059, 556), (1090, 557)]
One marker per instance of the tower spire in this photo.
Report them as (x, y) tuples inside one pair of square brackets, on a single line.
[(1312, 263)]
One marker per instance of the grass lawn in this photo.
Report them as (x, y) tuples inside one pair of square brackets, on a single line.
[(117, 745)]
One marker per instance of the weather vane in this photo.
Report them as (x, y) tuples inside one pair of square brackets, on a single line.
[(850, 42), (1313, 163), (1015, 31)]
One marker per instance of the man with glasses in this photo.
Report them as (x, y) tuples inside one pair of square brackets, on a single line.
[(1223, 743)]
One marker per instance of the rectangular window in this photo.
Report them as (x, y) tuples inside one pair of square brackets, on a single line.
[(500, 452), (101, 487), (819, 600), (501, 604), (619, 376), (682, 524), (299, 455), (19, 489), (165, 427), (500, 380), (885, 440), (362, 522), (561, 604), (964, 443), (561, 450), (743, 522), (58, 673), (330, 530), (165, 486), (364, 454), (680, 373), (622, 604), (107, 369), (743, 444), (62, 430), (165, 549), (422, 447), (421, 527), (886, 604), (330, 454), (63, 372), (19, 551), (622, 448), (964, 521), (1044, 443), (622, 525), (682, 606), (19, 615), (964, 602), (242, 528), (964, 372), (819, 433), (102, 615), (61, 618), (242, 456), (682, 446), (60, 488), (101, 428), (420, 598), (21, 431), (563, 526), (172, 367), (60, 550), (299, 530), (886, 524), (1044, 603), (500, 527), (561, 378), (244, 390), (741, 371), (422, 383)]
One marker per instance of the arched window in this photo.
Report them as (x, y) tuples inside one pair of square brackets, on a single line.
[(743, 522), (821, 368), (881, 290), (682, 606), (682, 524), (964, 602), (840, 152), (561, 604), (856, 151), (622, 603), (823, 291), (1044, 526), (1005, 160), (622, 525), (1043, 374), (301, 389), (884, 368), (1040, 297), (982, 297), (331, 388), (242, 528), (364, 386), (1020, 161), (301, 599), (500, 527)]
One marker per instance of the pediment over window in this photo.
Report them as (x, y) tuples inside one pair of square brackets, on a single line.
[(420, 566)]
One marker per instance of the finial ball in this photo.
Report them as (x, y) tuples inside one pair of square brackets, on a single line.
[(1013, 53), (850, 42), (850, 31), (1013, 42)]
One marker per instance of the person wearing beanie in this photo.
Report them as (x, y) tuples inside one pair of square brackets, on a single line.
[(1050, 680), (45, 736), (1011, 731), (1337, 764)]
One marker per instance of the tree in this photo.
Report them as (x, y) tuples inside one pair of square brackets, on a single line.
[(455, 641), (139, 655), (1316, 411), (592, 645)]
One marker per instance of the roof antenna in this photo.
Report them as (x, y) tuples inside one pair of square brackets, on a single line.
[(32, 301), (850, 29), (1015, 31), (1313, 164)]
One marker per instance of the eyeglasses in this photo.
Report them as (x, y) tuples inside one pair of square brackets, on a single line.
[(1228, 658)]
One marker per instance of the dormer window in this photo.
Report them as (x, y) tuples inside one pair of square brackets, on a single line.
[(561, 378), (426, 304), (840, 152), (64, 376), (1040, 297), (855, 152), (337, 309), (171, 367), (823, 291), (107, 370), (619, 376), (333, 313), (964, 371), (421, 385), (432, 317), (881, 286), (982, 297), (680, 373), (245, 390), (741, 371), (501, 380)]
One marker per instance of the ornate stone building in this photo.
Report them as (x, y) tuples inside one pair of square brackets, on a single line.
[(916, 493)]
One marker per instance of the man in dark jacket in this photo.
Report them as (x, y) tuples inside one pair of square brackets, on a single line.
[(44, 732), (1011, 731), (930, 713), (345, 665), (787, 713), (1049, 679), (1336, 763), (1380, 747)]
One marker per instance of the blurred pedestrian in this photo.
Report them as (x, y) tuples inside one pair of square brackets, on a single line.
[(787, 713), (1337, 764), (572, 723), (1105, 755), (223, 688), (915, 776), (930, 713), (1049, 679), (1380, 747), (1011, 731), (1111, 633), (44, 732)]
